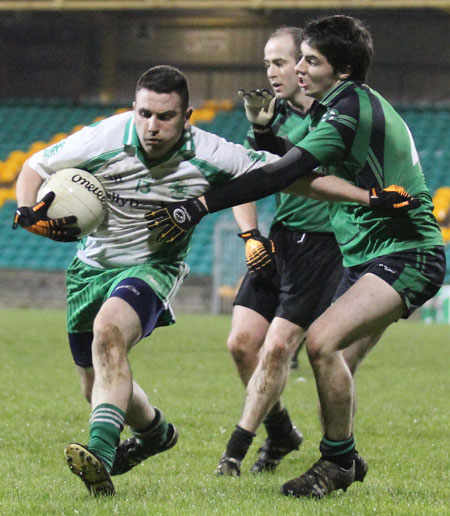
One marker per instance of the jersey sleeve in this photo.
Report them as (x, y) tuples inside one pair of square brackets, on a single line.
[(334, 135), (221, 161), (78, 149)]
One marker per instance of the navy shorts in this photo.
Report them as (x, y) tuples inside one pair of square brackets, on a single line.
[(417, 275), (140, 297), (308, 271)]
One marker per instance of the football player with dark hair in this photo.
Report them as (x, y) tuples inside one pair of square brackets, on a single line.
[(121, 282), (392, 246)]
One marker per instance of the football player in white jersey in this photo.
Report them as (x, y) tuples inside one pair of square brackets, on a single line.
[(123, 278)]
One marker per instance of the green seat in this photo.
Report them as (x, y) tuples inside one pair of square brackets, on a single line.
[(24, 121)]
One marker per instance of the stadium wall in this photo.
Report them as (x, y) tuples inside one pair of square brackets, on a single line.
[(47, 289), (99, 55)]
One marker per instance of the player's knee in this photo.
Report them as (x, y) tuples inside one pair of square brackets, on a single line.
[(240, 346), (316, 344), (277, 350), (108, 345)]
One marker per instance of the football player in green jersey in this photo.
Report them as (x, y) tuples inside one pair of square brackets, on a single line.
[(391, 244), (281, 296)]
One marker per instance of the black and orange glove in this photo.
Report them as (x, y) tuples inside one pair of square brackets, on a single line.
[(392, 199), (35, 220), (175, 218), (259, 252)]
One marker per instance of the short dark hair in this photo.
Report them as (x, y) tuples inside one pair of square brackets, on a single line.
[(344, 41), (295, 32), (165, 79)]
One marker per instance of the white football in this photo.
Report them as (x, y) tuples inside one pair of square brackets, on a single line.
[(79, 193)]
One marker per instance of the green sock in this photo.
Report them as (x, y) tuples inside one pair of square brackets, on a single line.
[(340, 452), (106, 423), (155, 433)]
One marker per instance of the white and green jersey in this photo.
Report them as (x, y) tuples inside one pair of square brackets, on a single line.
[(110, 150)]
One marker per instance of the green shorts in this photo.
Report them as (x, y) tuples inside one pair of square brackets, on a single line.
[(417, 275), (89, 287)]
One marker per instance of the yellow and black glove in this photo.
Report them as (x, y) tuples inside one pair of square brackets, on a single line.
[(259, 253), (35, 220), (392, 199), (175, 219)]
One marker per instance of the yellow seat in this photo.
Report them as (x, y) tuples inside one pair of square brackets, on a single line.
[(7, 194), (9, 171), (16, 156), (202, 115), (37, 146), (441, 201), (219, 105), (76, 128), (446, 234), (57, 138)]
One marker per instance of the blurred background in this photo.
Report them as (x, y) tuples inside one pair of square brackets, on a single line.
[(66, 63)]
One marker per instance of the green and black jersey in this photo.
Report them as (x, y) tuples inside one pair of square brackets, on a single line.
[(293, 211), (357, 135)]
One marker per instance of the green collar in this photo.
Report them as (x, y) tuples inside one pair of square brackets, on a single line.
[(332, 95)]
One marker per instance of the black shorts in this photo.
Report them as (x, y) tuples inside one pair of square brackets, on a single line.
[(417, 275), (308, 271)]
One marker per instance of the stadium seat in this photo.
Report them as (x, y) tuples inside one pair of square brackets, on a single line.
[(23, 122)]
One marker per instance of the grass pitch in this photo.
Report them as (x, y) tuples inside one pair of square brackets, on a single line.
[(402, 425)]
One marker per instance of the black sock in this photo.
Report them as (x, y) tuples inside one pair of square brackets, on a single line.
[(155, 433), (239, 443), (152, 425), (278, 425), (340, 452)]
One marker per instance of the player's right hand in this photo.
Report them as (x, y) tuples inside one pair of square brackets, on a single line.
[(392, 199), (35, 220), (259, 252), (259, 106)]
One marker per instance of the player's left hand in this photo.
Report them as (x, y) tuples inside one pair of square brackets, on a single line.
[(259, 106), (259, 252), (35, 220), (175, 218), (393, 199)]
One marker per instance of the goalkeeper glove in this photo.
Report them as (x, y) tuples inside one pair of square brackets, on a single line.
[(35, 220), (175, 218), (259, 107), (259, 252), (393, 199)]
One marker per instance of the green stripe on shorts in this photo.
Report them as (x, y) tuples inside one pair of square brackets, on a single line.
[(89, 287)]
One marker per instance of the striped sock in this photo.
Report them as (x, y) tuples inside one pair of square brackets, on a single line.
[(106, 423), (340, 452)]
